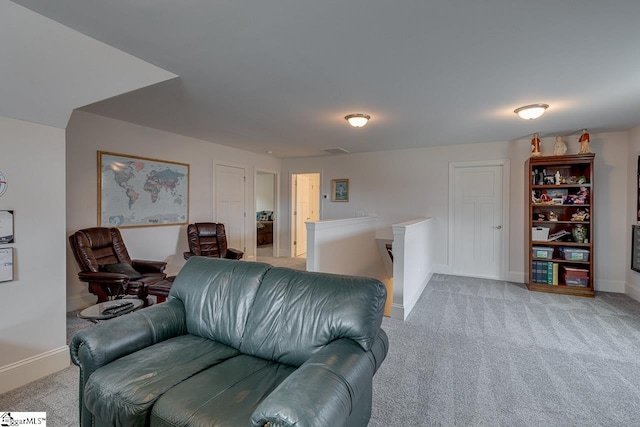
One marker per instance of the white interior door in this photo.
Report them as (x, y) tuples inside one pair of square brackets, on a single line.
[(302, 213), (230, 203), (478, 230)]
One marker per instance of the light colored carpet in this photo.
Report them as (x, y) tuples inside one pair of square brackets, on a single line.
[(295, 263), (488, 353), (473, 353)]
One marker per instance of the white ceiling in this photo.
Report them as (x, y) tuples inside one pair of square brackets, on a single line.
[(47, 69), (281, 75)]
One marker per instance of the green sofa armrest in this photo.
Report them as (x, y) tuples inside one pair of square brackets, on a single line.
[(324, 390), (98, 345)]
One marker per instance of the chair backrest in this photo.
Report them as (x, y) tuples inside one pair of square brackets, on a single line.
[(207, 239), (93, 247)]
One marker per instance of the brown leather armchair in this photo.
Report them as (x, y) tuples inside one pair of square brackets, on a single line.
[(107, 267), (209, 239)]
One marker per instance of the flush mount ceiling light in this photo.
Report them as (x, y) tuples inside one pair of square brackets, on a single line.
[(530, 112), (357, 120)]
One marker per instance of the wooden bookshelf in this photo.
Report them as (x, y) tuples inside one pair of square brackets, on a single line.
[(546, 200)]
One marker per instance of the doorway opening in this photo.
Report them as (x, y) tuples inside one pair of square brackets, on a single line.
[(305, 206), (266, 213)]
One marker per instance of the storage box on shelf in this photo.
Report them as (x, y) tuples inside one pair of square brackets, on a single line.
[(559, 232)]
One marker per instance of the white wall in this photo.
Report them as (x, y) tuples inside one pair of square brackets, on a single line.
[(265, 192), (397, 186), (413, 249), (345, 246), (88, 133), (33, 315)]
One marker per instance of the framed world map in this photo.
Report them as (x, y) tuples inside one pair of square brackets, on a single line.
[(141, 192)]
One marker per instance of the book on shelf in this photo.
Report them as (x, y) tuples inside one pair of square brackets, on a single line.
[(545, 272)]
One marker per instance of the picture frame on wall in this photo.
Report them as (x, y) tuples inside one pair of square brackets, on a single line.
[(6, 227), (339, 190), (138, 191), (6, 264)]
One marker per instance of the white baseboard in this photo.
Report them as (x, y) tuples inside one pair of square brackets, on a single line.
[(441, 269), (609, 286), (33, 368), (515, 277), (401, 311), (397, 311), (632, 290)]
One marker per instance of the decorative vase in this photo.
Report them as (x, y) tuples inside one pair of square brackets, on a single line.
[(579, 233)]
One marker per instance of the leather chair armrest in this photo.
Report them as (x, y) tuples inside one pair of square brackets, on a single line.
[(143, 266), (111, 279), (188, 255), (323, 391), (234, 254)]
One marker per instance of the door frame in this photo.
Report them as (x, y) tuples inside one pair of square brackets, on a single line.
[(292, 204), (276, 211), (505, 164)]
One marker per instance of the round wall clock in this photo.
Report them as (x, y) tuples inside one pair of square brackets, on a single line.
[(3, 184)]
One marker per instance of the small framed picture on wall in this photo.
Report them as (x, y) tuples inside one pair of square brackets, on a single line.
[(6, 264), (6, 227), (339, 190)]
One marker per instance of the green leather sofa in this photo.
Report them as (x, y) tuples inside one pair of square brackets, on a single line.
[(238, 344)]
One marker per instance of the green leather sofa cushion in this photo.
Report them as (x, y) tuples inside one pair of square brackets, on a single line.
[(296, 313), (217, 295), (225, 394), (123, 392)]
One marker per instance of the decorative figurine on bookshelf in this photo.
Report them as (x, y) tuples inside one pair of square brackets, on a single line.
[(544, 197), (559, 147), (580, 198), (583, 140), (553, 216), (580, 215), (579, 233), (535, 146), (535, 197), (558, 178)]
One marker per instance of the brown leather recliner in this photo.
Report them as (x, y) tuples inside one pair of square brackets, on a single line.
[(99, 252), (209, 239)]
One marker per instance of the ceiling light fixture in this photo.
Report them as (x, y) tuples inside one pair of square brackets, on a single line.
[(530, 112), (357, 120)]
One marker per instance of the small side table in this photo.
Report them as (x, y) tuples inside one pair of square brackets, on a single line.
[(110, 309)]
